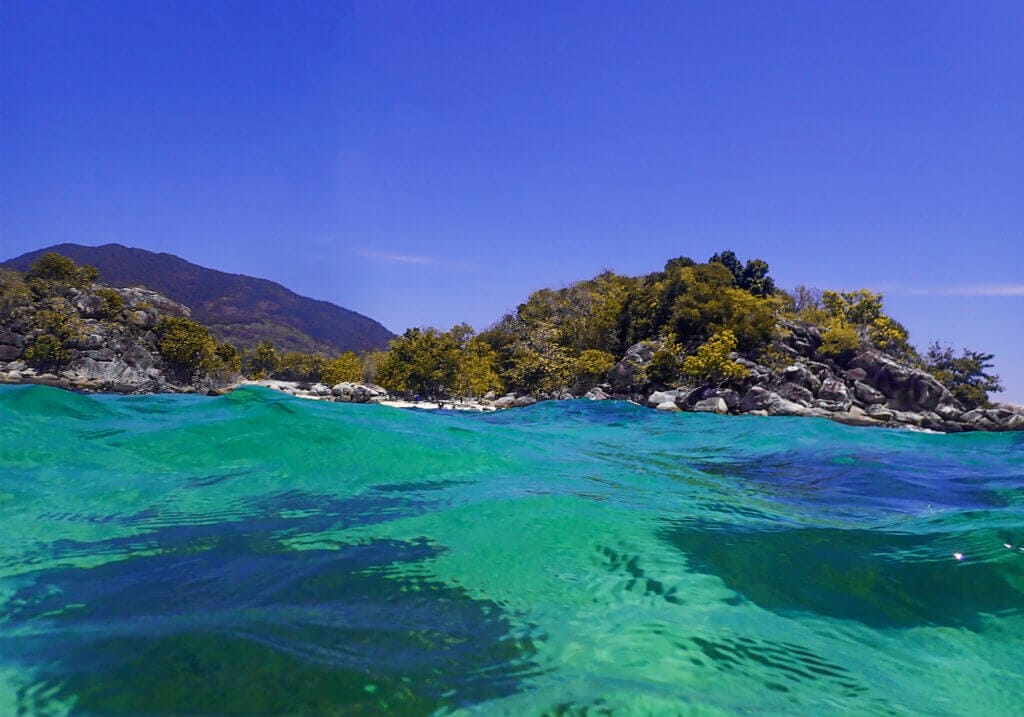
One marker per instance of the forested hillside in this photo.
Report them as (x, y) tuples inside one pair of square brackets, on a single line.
[(238, 309)]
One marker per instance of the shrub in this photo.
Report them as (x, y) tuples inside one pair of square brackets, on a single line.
[(47, 350), (113, 302), (839, 340), (60, 321), (663, 368), (890, 335), (711, 362)]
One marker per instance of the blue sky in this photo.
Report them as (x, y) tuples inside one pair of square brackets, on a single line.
[(428, 163)]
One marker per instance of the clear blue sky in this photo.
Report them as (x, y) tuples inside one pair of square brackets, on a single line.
[(427, 163)]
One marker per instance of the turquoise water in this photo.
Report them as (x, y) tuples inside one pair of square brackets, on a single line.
[(256, 554)]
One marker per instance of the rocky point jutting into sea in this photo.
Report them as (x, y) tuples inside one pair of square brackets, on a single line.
[(109, 342)]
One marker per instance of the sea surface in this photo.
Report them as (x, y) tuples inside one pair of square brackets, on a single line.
[(257, 554)]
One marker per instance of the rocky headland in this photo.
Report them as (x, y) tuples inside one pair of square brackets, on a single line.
[(106, 351), (870, 388)]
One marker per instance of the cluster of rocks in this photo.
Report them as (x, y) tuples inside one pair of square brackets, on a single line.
[(116, 354), (870, 388), (344, 392)]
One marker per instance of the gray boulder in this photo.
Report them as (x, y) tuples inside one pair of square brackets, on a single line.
[(715, 404), (856, 416), (623, 374), (796, 394), (867, 394), (880, 412), (779, 406), (342, 389), (905, 388), (9, 338), (505, 402), (524, 401), (757, 398), (668, 406), (731, 398), (597, 394), (800, 376), (90, 306), (855, 374), (659, 397), (832, 389)]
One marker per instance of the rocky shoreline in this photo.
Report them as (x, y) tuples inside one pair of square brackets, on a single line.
[(118, 354), (859, 405)]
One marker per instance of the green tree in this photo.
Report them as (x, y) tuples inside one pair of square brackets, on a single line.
[(664, 367), (755, 278), (421, 361), (729, 260), (346, 367), (477, 369), (711, 362), (229, 358), (263, 361), (62, 270), (703, 303), (966, 376), (185, 344)]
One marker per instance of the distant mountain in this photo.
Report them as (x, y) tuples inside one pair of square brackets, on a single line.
[(237, 308)]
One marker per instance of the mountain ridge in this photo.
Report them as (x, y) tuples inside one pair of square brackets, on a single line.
[(237, 308)]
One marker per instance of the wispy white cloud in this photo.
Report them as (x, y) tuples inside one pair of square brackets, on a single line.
[(975, 290), (390, 258), (386, 257)]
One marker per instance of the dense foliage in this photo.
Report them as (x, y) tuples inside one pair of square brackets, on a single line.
[(46, 351), (429, 362), (711, 362)]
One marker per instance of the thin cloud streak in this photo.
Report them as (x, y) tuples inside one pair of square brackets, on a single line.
[(978, 290), (384, 257), (389, 258)]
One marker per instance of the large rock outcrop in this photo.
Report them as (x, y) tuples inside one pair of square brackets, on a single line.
[(108, 343)]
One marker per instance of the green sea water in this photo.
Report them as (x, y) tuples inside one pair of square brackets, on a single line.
[(256, 554)]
